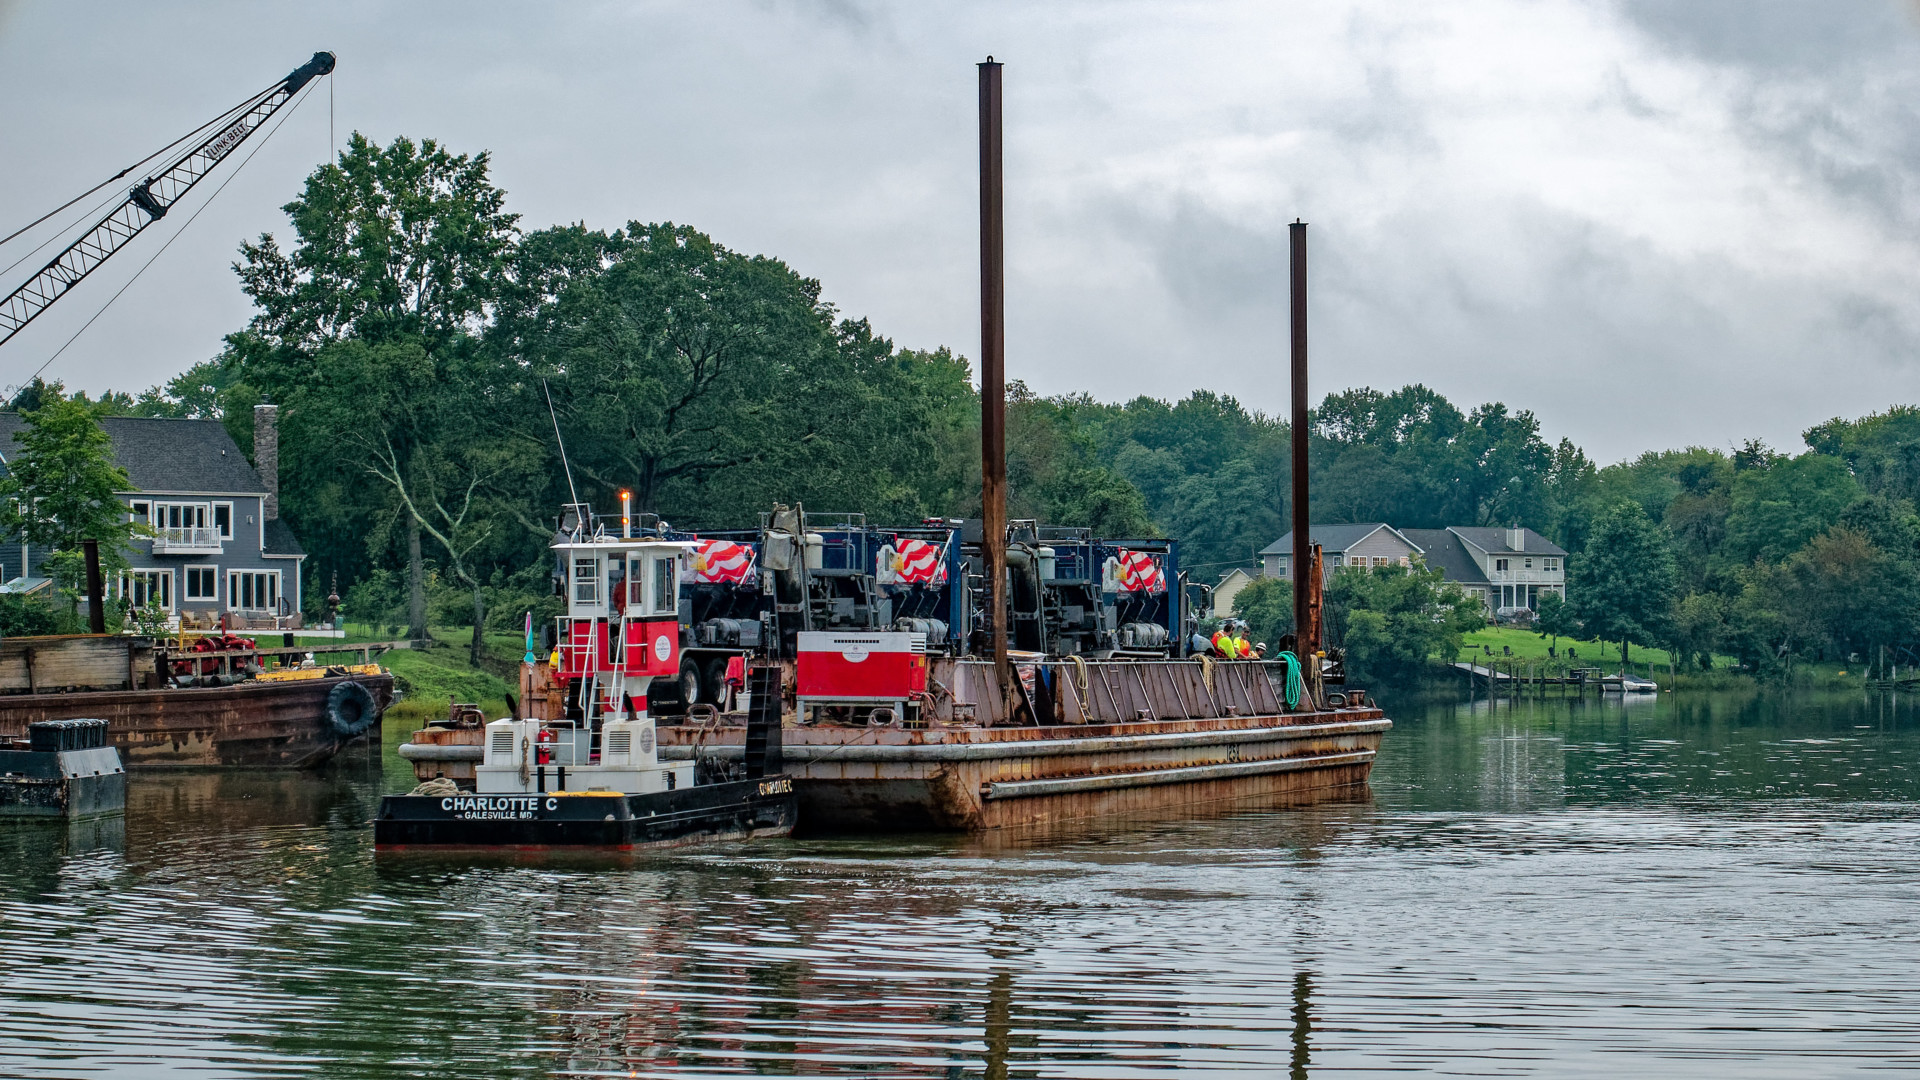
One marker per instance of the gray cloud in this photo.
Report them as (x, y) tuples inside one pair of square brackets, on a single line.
[(1652, 224)]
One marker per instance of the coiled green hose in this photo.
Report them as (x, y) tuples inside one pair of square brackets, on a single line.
[(1295, 685)]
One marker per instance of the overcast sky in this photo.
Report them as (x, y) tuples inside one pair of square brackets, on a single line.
[(1653, 224)]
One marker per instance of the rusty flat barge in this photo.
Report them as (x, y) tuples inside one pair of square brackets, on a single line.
[(163, 711), (1126, 737)]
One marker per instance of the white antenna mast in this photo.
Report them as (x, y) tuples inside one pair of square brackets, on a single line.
[(571, 490)]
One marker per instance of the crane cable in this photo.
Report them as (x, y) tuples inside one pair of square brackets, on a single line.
[(257, 147)]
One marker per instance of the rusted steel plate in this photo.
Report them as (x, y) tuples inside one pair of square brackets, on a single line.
[(853, 750), (1067, 785), (252, 725), (834, 734)]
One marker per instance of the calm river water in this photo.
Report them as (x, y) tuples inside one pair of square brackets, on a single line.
[(1698, 886)]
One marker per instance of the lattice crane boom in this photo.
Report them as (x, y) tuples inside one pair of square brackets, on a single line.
[(150, 199)]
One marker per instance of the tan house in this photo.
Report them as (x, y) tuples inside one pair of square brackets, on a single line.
[(1229, 587)]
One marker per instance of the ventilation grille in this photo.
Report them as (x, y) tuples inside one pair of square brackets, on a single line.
[(502, 743), (619, 742)]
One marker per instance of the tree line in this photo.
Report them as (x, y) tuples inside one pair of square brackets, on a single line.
[(425, 347)]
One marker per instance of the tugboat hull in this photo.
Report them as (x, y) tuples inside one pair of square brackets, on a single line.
[(693, 815)]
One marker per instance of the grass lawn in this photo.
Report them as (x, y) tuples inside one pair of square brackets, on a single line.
[(1527, 645), (430, 677)]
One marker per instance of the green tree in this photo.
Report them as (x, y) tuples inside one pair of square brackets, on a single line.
[(1391, 619), (400, 248), (1775, 510), (1623, 582), (1844, 594), (61, 488), (1698, 627), (1554, 619)]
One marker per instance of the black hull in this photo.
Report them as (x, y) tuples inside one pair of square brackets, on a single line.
[(704, 814)]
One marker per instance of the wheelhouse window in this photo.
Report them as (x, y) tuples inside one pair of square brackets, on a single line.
[(253, 590), (586, 580), (636, 594), (203, 583), (666, 593), (143, 587)]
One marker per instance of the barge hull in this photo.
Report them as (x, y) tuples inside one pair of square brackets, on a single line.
[(975, 779), (249, 725), (696, 815)]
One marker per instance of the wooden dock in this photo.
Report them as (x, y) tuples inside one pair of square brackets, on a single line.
[(1515, 677)]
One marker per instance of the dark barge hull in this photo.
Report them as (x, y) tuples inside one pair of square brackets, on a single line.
[(261, 725), (707, 813)]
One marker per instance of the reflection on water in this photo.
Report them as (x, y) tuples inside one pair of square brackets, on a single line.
[(1685, 886)]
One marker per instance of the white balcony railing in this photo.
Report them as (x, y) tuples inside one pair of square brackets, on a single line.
[(191, 540)]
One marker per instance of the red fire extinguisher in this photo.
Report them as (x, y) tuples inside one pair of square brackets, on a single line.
[(543, 748)]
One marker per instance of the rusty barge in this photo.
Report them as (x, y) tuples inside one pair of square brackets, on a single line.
[(1131, 737), (167, 706)]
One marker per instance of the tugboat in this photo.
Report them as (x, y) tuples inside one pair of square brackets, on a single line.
[(588, 774)]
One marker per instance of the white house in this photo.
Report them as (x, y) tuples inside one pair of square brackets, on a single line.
[(1502, 568)]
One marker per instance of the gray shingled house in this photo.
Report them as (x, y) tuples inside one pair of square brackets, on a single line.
[(219, 547), (1505, 569), (1372, 543)]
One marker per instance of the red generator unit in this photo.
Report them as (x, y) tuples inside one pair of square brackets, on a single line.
[(862, 669)]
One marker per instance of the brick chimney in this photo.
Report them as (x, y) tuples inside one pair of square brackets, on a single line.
[(266, 456)]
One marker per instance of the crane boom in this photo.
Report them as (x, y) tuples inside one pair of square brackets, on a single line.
[(149, 201)]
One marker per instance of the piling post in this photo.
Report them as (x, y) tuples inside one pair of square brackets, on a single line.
[(1302, 556), (993, 375), (96, 591)]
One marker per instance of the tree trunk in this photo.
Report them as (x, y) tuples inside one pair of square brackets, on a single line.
[(479, 618), (1623, 655), (416, 584)]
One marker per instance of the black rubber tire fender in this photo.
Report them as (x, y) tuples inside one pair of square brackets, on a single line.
[(351, 709)]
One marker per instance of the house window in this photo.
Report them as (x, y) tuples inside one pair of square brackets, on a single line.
[(253, 590), (1529, 564), (586, 580), (203, 583), (179, 515), (1381, 560), (143, 587), (666, 594), (1550, 565), (1500, 566), (223, 519), (138, 511)]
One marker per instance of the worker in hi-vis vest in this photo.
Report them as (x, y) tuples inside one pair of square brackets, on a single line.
[(1229, 642)]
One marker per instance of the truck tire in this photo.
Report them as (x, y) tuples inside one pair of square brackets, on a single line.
[(351, 709), (692, 688)]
